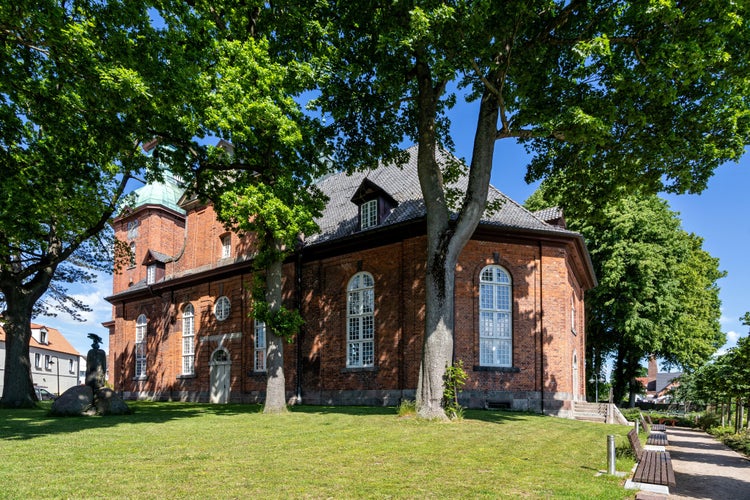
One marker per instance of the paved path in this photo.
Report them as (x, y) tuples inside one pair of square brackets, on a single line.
[(705, 468)]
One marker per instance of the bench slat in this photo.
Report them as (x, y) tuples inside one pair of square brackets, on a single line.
[(654, 467)]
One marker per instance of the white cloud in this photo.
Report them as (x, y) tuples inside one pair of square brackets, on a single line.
[(91, 294), (732, 337)]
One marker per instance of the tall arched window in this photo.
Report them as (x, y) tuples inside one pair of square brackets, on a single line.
[(495, 317), (260, 346), (188, 340), (360, 321), (140, 346)]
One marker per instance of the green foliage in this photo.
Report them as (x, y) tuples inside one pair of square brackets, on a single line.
[(657, 292), (283, 322), (606, 96), (455, 379), (82, 87), (407, 408)]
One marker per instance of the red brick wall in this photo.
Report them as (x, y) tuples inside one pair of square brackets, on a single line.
[(543, 345)]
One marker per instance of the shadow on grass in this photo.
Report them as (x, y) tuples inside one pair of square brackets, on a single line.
[(19, 424), (31, 423)]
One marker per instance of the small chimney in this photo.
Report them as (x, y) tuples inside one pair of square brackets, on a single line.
[(653, 369)]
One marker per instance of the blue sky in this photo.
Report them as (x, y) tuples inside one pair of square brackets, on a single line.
[(719, 215)]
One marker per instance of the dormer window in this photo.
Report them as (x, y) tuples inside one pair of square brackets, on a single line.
[(374, 203), (155, 266), (368, 214), (43, 336)]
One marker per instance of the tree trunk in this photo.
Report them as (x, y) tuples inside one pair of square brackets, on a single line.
[(18, 385), (618, 377), (276, 382), (446, 239), (437, 351), (739, 417)]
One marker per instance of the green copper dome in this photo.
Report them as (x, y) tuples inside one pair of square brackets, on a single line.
[(166, 194)]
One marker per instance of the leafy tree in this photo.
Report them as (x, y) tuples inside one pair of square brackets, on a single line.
[(260, 176), (77, 90), (657, 292), (648, 94)]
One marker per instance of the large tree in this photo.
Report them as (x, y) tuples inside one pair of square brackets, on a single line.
[(76, 94), (260, 177), (609, 93), (657, 293)]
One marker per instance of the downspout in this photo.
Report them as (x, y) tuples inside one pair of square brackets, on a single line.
[(298, 300), (402, 327), (541, 324)]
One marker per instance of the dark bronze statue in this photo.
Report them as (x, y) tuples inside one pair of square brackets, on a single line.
[(96, 364)]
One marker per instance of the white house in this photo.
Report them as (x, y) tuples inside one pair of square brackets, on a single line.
[(55, 363)]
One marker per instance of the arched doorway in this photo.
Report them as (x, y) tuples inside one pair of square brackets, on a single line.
[(220, 368)]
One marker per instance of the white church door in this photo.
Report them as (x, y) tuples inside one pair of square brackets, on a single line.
[(220, 367)]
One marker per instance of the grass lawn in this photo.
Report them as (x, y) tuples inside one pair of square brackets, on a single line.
[(178, 450)]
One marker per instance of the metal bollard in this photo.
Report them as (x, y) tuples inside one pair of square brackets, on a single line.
[(611, 454)]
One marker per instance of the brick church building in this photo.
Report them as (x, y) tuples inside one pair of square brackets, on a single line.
[(181, 328)]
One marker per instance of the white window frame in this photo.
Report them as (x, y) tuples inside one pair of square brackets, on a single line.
[(141, 325), (261, 348), (226, 246), (37, 361), (360, 321), (368, 214), (222, 308), (71, 367), (188, 340), (43, 336), (47, 362), (151, 274), (495, 317)]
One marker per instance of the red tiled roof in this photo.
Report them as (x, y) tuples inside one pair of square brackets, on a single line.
[(56, 341)]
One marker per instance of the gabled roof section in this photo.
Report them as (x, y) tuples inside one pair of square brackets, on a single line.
[(340, 217), (369, 190), (552, 215), (154, 256)]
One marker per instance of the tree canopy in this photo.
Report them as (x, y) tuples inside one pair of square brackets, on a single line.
[(79, 85), (657, 292), (651, 95)]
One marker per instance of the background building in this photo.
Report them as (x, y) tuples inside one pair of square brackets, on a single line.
[(55, 363)]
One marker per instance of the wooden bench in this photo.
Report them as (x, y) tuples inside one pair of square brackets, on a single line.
[(655, 438), (654, 467), (657, 427)]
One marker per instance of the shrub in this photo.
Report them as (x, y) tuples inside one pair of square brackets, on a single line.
[(455, 378), (708, 420), (407, 408)]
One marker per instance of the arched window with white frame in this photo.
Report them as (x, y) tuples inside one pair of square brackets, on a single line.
[(260, 346), (188, 340), (495, 317), (140, 346), (360, 321)]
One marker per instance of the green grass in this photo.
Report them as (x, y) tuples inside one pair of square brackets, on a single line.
[(176, 450)]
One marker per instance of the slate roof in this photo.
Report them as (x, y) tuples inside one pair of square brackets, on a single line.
[(340, 217)]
